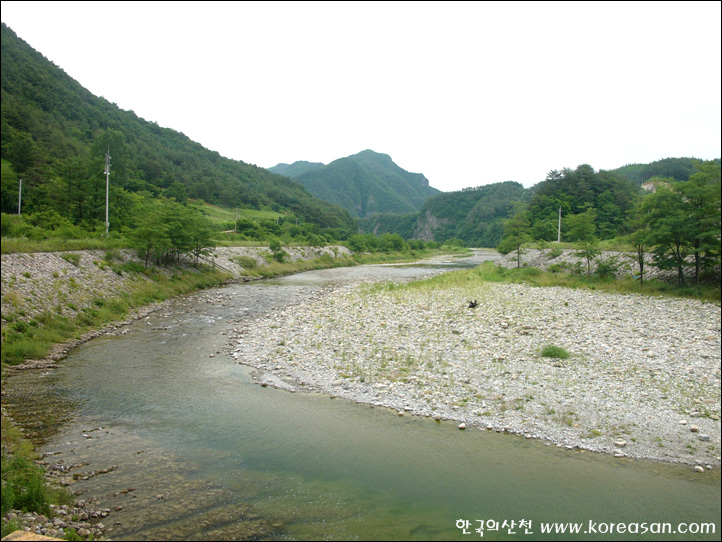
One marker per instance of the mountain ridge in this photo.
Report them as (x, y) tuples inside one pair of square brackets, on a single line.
[(364, 183)]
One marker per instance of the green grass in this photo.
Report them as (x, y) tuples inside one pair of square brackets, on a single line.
[(223, 214), (490, 272), (12, 245), (33, 340), (23, 482), (556, 352)]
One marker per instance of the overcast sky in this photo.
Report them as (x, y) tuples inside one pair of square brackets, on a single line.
[(466, 93)]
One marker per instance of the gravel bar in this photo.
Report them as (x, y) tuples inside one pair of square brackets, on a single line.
[(642, 379)]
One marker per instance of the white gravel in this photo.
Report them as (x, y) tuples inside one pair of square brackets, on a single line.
[(642, 379)]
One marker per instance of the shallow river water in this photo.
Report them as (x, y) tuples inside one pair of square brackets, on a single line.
[(198, 451)]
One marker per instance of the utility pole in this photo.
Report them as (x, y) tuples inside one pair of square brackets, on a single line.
[(20, 194), (559, 229), (107, 187)]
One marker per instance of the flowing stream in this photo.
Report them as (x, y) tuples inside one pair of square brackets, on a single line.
[(198, 451)]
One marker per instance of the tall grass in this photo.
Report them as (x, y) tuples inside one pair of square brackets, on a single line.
[(23, 483)]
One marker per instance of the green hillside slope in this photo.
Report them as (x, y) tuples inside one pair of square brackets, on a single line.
[(474, 215), (55, 134)]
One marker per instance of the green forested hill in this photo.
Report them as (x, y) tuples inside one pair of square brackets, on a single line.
[(295, 169), (367, 183), (55, 134), (474, 215), (609, 194), (679, 169)]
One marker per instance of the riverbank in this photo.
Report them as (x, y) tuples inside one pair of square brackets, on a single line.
[(68, 282), (642, 381), (75, 284)]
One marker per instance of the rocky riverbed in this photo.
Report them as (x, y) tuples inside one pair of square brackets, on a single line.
[(642, 379)]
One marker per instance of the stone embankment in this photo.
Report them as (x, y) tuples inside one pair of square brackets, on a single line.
[(568, 260), (642, 379), (624, 264), (68, 282)]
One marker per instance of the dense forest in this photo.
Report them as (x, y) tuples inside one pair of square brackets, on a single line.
[(55, 135)]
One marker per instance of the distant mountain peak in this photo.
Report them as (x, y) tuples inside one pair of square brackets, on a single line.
[(364, 183)]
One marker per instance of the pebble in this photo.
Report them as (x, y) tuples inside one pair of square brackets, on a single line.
[(62, 518), (422, 348)]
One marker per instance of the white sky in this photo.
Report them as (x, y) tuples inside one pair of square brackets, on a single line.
[(466, 93)]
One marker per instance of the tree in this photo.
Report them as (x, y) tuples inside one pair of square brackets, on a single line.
[(392, 242), (701, 198), (670, 226), (201, 236), (516, 232), (149, 237), (22, 151), (583, 230), (9, 189), (166, 230), (639, 238)]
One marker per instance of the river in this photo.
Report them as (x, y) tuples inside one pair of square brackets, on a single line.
[(198, 451)]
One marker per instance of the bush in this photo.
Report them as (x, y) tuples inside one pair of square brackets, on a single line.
[(607, 269), (557, 352), (246, 262), (71, 257), (23, 487), (561, 267)]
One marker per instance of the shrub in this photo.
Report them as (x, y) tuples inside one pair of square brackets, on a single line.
[(607, 268), (561, 267), (246, 262), (557, 352), (23, 486), (71, 257)]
